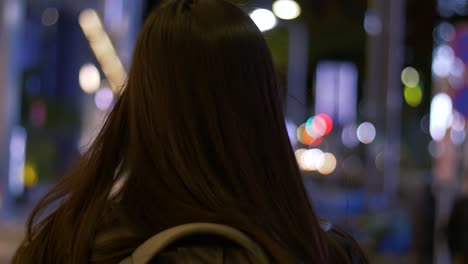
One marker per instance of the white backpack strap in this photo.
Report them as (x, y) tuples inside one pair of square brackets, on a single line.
[(151, 247)]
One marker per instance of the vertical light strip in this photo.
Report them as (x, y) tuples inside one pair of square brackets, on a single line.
[(17, 161), (102, 47)]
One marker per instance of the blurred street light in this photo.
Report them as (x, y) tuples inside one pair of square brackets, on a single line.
[(264, 19), (440, 116), (366, 133), (410, 77), (287, 9), (89, 78), (103, 98)]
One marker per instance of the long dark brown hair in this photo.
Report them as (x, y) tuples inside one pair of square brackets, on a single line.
[(197, 135)]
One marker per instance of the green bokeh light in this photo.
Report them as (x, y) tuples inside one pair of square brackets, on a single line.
[(413, 95)]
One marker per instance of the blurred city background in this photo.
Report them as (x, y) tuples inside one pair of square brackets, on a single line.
[(376, 103)]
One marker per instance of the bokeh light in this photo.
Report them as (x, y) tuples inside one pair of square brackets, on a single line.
[(456, 76), (413, 95), (457, 132), (444, 32), (312, 159), (366, 133), (458, 68), (264, 19), (327, 120), (286, 9), (435, 150), (30, 176), (458, 121), (410, 77), (104, 98), (380, 161), (50, 16), (457, 136), (307, 139), (440, 116), (372, 23), (349, 137), (300, 133), (424, 124), (89, 78), (328, 164), (443, 59), (309, 160), (298, 153), (310, 141), (315, 127), (319, 125)]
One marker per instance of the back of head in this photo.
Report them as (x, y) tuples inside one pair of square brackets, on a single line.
[(206, 110), (197, 135)]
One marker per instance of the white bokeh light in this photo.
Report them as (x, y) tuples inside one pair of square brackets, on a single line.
[(328, 165), (310, 159), (366, 133), (89, 78), (264, 19), (441, 116), (298, 153), (286, 9)]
